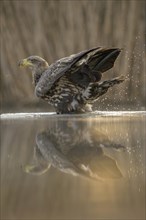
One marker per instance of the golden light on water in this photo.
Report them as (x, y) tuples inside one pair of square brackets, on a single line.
[(91, 168)]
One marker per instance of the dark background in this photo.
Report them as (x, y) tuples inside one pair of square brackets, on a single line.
[(54, 29)]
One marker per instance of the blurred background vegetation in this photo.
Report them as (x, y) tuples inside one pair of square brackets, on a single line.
[(54, 29)]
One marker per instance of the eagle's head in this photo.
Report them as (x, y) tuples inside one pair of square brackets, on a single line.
[(33, 62), (37, 65)]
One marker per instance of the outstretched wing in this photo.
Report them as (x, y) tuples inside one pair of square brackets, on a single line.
[(58, 69), (81, 68), (90, 70)]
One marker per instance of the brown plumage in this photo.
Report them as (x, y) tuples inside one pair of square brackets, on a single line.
[(71, 84)]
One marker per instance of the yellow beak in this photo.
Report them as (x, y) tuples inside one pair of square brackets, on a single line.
[(24, 63)]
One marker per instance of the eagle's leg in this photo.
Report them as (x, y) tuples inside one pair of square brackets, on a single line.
[(69, 110), (66, 105), (73, 107), (62, 108)]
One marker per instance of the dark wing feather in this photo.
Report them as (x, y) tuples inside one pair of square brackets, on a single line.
[(57, 70), (103, 59), (97, 62), (81, 68)]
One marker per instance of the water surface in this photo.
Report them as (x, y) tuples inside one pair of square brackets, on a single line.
[(73, 167)]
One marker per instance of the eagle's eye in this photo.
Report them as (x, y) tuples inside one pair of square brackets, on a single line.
[(33, 61)]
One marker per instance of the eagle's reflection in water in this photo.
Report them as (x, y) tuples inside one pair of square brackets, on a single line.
[(76, 149)]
